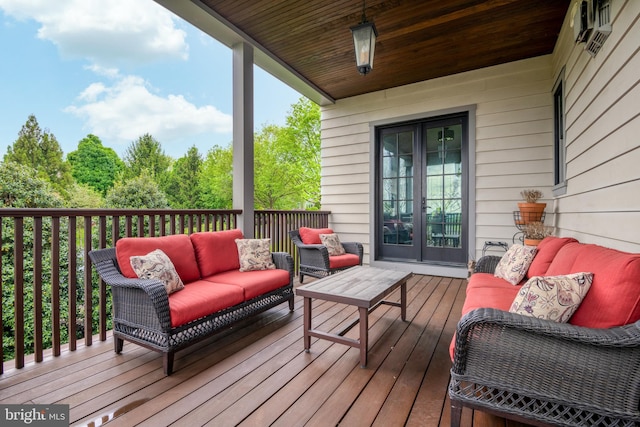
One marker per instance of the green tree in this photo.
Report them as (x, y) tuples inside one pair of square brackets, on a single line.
[(287, 161), (41, 151), (182, 186), (83, 196), (146, 155), (303, 128), (94, 164), (216, 179), (141, 192), (277, 183), (20, 187)]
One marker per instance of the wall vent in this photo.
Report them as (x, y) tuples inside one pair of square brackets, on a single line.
[(601, 26)]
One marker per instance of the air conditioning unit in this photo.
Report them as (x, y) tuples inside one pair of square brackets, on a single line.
[(582, 20), (601, 26)]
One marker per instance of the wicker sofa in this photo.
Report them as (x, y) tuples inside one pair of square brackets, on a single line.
[(215, 295), (582, 373)]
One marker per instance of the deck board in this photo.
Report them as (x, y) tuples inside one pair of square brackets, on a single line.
[(258, 374)]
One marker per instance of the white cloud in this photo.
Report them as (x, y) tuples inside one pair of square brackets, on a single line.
[(128, 109), (112, 35), (104, 71), (107, 32)]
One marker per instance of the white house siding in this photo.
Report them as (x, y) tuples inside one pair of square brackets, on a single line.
[(513, 115), (602, 97)]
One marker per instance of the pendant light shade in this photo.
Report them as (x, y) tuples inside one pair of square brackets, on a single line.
[(364, 41)]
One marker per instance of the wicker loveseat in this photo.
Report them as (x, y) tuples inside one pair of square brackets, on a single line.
[(582, 373), (215, 295), (315, 260)]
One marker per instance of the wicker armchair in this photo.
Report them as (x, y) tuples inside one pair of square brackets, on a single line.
[(545, 373), (314, 259)]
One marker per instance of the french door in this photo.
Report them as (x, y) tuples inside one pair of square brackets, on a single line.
[(421, 196)]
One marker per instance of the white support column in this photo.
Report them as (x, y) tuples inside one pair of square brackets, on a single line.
[(243, 174)]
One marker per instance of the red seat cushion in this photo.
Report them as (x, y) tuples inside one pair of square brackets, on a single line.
[(216, 251), (311, 236), (177, 247), (341, 261), (486, 291), (547, 250), (488, 280), (614, 296), (201, 298), (253, 283)]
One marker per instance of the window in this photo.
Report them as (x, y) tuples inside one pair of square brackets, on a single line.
[(559, 148)]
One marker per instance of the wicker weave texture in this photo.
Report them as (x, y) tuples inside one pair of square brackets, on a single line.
[(554, 373), (314, 259), (141, 307)]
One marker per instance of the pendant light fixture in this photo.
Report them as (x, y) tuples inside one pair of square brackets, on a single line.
[(364, 41)]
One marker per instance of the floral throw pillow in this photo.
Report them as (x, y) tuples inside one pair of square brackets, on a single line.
[(157, 265), (552, 297), (332, 242), (255, 254), (514, 264)]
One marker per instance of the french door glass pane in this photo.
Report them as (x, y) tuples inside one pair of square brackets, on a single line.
[(397, 188), (444, 186)]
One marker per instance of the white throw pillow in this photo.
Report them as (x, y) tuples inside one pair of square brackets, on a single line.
[(255, 254), (157, 265), (514, 264), (552, 297), (332, 242)]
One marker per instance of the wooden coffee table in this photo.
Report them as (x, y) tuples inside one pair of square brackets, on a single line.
[(364, 287)]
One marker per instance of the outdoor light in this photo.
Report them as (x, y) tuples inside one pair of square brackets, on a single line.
[(364, 40)]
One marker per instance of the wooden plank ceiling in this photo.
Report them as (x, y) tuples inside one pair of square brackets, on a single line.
[(417, 40)]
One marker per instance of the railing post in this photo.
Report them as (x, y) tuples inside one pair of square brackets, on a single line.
[(73, 283), (55, 285), (102, 311), (37, 288), (88, 286), (18, 290)]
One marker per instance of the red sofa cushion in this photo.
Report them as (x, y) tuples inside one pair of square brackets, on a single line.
[(346, 260), (201, 298), (178, 248), (253, 283), (487, 291), (547, 250), (311, 236), (484, 290), (216, 251), (614, 296)]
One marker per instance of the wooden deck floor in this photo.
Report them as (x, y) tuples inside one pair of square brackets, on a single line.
[(257, 373)]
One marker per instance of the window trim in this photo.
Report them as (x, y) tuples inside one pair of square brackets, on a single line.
[(559, 137)]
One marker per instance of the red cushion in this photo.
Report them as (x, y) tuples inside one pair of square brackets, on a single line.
[(346, 260), (201, 298), (216, 251), (487, 280), (311, 236), (547, 250), (486, 291), (499, 297), (254, 283), (177, 247), (564, 259), (614, 296)]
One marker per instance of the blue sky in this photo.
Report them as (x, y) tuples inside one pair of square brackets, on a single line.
[(119, 69)]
